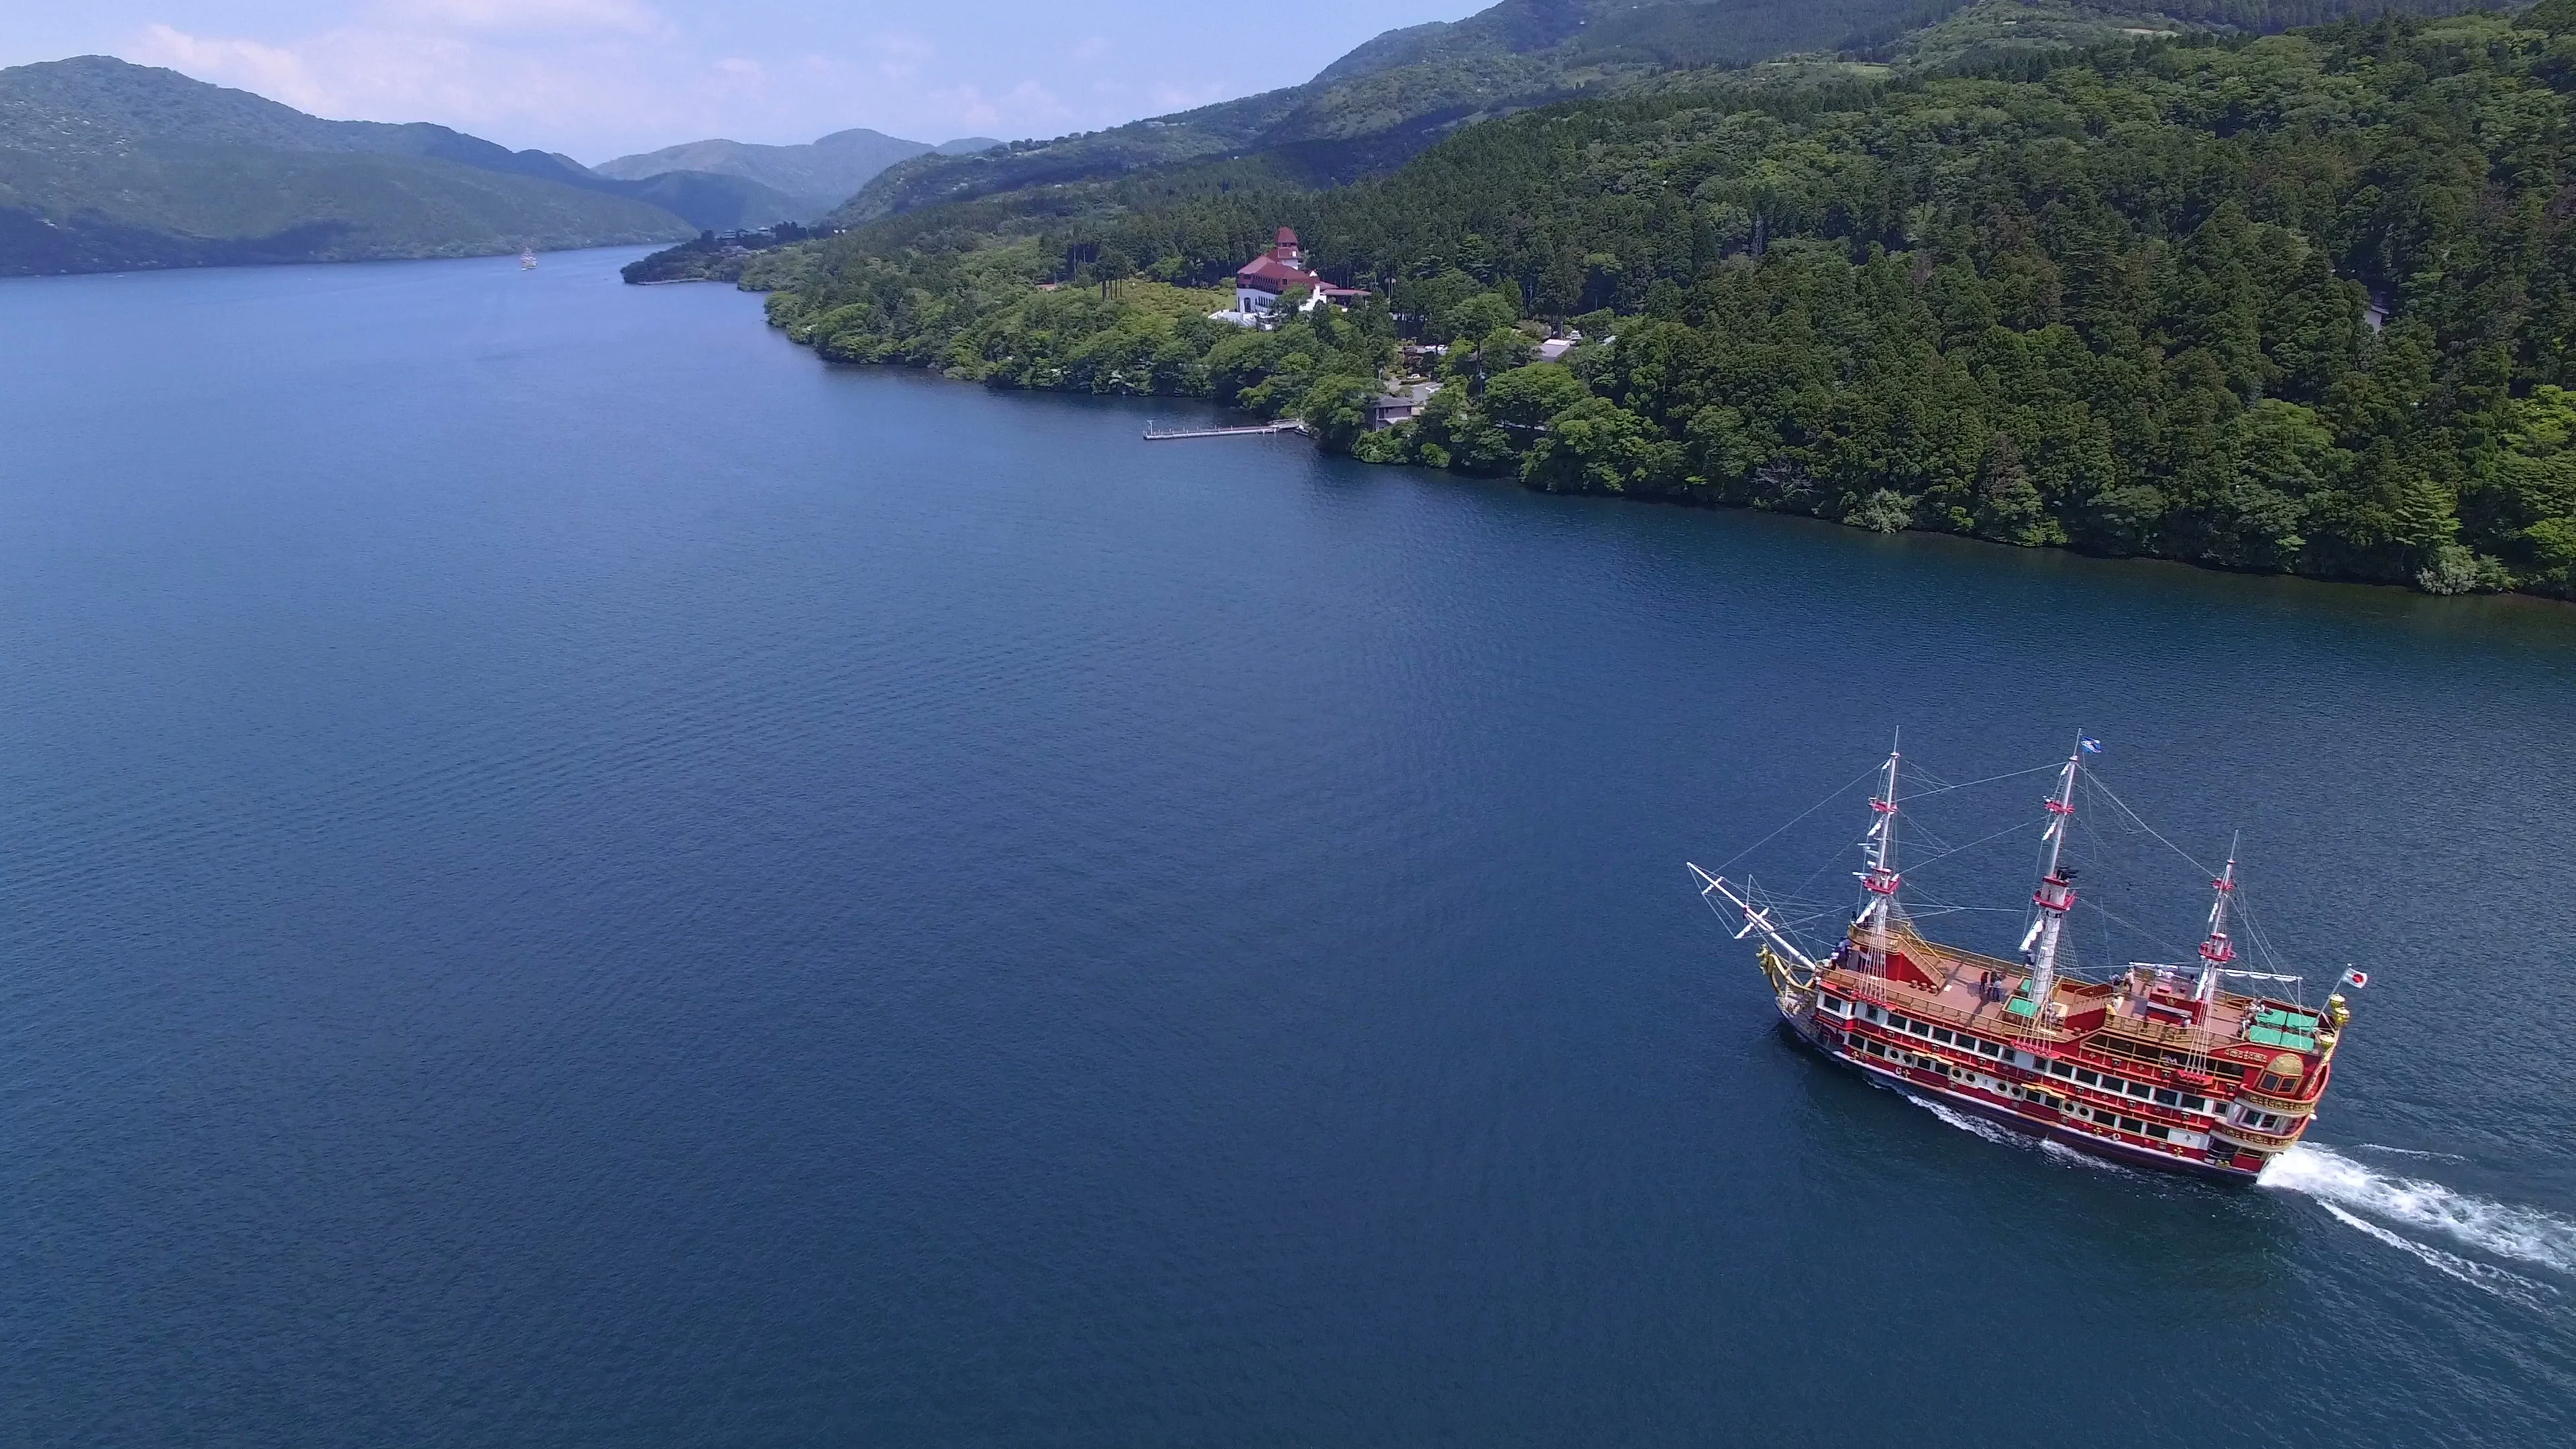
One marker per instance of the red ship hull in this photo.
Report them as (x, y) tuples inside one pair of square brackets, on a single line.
[(2116, 1078), (2007, 1117)]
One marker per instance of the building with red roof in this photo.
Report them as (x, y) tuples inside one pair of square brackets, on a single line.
[(1261, 282)]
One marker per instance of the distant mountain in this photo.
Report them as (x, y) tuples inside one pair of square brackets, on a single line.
[(1396, 94), (819, 175), (182, 206), (106, 165), (708, 201)]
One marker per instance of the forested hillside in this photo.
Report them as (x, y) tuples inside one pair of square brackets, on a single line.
[(2300, 303), (105, 165), (1400, 92)]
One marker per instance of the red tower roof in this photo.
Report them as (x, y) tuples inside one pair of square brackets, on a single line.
[(1268, 268)]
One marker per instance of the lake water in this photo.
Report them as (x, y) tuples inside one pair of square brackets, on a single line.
[(570, 875)]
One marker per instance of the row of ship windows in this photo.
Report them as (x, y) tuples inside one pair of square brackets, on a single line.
[(1901, 1022), (2125, 1124), (1961, 1074), (1902, 1057), (2163, 1096)]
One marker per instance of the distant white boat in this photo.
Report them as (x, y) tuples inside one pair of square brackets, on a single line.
[(527, 259)]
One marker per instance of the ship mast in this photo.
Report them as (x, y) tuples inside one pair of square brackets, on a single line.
[(2056, 894), (2217, 950), (1878, 883)]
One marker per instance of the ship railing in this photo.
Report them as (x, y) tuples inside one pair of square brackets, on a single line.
[(2207, 1119), (1920, 1002), (1995, 1027), (2171, 1115), (2268, 1141), (2284, 1106), (2087, 1054), (2063, 1045), (2077, 995), (2189, 1040), (1908, 940)]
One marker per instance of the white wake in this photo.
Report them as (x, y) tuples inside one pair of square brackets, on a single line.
[(2495, 1280), (2348, 1190), (1972, 1125), (2352, 1191), (2408, 1151), (1976, 1126)]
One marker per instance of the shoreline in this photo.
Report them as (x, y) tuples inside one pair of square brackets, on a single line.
[(2378, 587)]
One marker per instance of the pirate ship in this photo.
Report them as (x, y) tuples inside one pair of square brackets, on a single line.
[(2158, 1064)]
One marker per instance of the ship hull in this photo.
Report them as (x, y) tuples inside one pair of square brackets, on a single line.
[(2004, 1116)]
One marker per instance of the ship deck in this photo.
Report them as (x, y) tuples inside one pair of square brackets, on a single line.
[(2135, 1005)]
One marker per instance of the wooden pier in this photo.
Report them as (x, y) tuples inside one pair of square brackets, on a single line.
[(1285, 425)]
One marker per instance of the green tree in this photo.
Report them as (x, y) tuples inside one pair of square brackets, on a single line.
[(1472, 317), (1335, 410), (1526, 397), (1597, 446), (2009, 507)]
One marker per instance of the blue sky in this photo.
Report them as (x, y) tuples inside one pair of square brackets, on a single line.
[(599, 78)]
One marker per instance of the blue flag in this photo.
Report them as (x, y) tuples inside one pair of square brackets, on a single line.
[(2091, 745)]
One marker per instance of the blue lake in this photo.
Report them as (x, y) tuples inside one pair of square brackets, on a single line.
[(570, 875)]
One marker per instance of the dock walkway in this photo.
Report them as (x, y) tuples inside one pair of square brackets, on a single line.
[(1287, 425)]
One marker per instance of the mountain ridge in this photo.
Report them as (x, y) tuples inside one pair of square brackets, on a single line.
[(819, 174), (1415, 83), (106, 165), (1399, 91)]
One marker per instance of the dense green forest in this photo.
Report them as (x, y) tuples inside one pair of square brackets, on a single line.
[(2128, 300), (1405, 89)]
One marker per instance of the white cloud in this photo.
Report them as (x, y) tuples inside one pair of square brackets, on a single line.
[(1187, 98), (273, 72), (1029, 108), (901, 55), (603, 77), (526, 17), (577, 92)]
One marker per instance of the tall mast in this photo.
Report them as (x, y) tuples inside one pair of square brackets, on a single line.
[(1879, 881), (2216, 951), (2056, 894)]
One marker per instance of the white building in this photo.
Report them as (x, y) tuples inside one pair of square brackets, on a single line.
[(1261, 282)]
